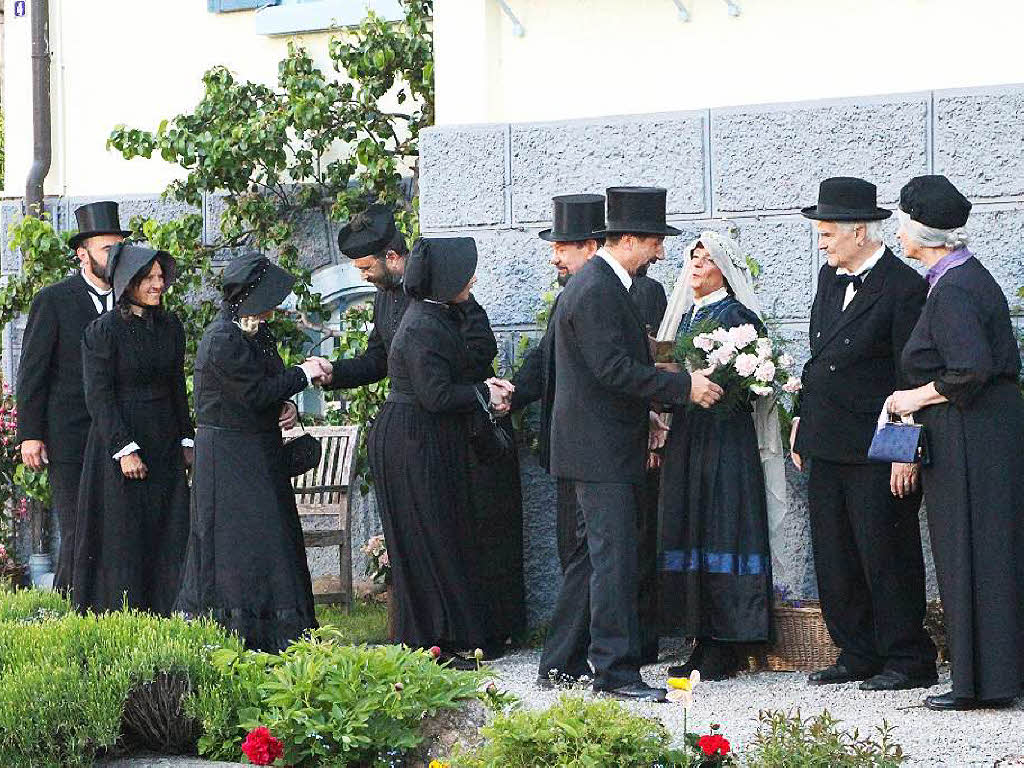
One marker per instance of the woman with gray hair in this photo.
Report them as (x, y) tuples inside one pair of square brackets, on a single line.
[(963, 359)]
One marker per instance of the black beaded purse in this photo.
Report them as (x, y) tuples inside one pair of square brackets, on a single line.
[(301, 454), (489, 439)]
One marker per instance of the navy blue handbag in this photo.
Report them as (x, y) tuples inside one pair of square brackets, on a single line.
[(902, 442)]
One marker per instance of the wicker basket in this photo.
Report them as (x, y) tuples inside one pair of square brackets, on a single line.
[(802, 642)]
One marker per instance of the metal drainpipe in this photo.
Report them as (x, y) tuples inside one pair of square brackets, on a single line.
[(41, 144)]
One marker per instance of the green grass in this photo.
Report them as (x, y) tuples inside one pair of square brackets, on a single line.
[(367, 623)]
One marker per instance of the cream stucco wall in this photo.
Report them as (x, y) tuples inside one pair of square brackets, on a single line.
[(125, 61), (581, 58)]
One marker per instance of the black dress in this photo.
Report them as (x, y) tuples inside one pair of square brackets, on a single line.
[(419, 454), (246, 559), (131, 534), (974, 486), (714, 560), (493, 534)]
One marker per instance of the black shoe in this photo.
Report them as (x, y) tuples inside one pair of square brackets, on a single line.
[(454, 661), (714, 661), (695, 661), (947, 702), (837, 673), (635, 692), (891, 680)]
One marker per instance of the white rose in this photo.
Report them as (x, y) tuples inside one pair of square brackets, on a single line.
[(720, 335), (746, 364), (704, 342), (786, 360), (760, 391), (742, 335), (764, 347), (792, 385), (765, 371), (724, 354)]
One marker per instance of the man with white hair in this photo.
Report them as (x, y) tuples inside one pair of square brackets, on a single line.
[(864, 516)]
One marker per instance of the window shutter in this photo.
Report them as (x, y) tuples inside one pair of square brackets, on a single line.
[(224, 6)]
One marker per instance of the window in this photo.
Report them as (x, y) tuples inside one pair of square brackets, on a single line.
[(292, 16), (224, 6)]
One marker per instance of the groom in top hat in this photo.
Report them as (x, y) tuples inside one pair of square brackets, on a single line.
[(864, 516), (53, 421), (605, 381)]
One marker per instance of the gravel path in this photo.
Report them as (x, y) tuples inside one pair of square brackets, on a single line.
[(979, 738)]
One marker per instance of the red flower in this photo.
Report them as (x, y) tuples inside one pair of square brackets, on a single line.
[(713, 744), (261, 748)]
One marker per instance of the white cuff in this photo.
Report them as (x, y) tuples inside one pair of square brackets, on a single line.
[(188, 442), (307, 374), (127, 451)]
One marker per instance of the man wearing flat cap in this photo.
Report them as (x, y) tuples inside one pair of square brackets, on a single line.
[(605, 382), (865, 531), (53, 422)]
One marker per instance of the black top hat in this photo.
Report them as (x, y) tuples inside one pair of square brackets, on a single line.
[(576, 217), (440, 267), (253, 284), (636, 210), (846, 198), (97, 219), (935, 202), (126, 260), (368, 233)]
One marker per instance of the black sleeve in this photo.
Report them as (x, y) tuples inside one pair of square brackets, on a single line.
[(180, 394), (958, 332), (598, 332), (244, 378), (905, 316), (529, 379), (430, 361), (368, 367), (99, 370), (659, 304), (34, 375), (478, 336)]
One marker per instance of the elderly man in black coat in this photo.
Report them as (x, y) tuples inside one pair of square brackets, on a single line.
[(53, 422), (605, 381), (864, 516)]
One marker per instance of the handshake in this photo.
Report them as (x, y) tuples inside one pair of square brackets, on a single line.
[(318, 369), (501, 395)]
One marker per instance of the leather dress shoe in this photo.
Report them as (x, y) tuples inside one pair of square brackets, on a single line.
[(892, 680), (947, 702), (837, 673), (635, 692)]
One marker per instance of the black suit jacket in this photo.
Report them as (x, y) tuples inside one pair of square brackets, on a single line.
[(651, 300), (389, 307), (605, 381), (50, 387), (854, 363), (535, 380)]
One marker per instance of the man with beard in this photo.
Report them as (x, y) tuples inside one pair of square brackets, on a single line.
[(53, 421)]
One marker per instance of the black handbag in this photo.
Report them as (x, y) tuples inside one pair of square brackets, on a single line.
[(489, 439), (902, 442), (301, 454)]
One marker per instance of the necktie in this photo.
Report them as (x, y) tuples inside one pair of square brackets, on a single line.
[(844, 280), (100, 300)]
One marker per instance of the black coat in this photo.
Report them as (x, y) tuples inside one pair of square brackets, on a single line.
[(605, 381), (535, 380), (389, 306), (650, 299), (51, 395), (855, 355)]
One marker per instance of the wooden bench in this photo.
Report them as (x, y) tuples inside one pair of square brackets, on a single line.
[(323, 494)]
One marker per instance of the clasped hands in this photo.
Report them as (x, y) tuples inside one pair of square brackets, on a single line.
[(501, 394), (318, 369)]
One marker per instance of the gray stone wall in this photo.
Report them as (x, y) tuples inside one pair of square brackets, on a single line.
[(744, 169)]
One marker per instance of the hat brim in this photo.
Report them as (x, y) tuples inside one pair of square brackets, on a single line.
[(567, 237), (666, 231), (81, 237), (126, 270), (268, 294), (877, 214)]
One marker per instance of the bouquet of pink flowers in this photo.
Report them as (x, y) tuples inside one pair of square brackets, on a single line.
[(744, 363), (378, 564)]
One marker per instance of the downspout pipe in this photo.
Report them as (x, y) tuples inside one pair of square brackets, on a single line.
[(42, 150)]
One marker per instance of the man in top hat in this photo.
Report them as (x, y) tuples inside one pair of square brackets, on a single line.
[(605, 381), (864, 516), (53, 422)]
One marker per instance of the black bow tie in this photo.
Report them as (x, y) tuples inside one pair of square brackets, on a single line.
[(855, 280)]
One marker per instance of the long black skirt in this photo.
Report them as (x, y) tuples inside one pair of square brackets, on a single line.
[(246, 562), (974, 493), (714, 560), (420, 474), (130, 535)]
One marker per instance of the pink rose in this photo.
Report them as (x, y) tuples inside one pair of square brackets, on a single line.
[(793, 385), (746, 364), (704, 342), (765, 371), (384, 560), (742, 335)]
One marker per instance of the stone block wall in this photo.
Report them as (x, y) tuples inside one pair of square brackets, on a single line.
[(745, 169)]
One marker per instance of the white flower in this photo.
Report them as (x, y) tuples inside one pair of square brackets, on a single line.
[(760, 391), (793, 385), (704, 341), (786, 360), (742, 335), (764, 347), (746, 364), (720, 335), (765, 371), (722, 356)]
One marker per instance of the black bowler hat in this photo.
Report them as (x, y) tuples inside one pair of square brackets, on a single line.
[(97, 219), (253, 284), (126, 260), (636, 210), (440, 267), (368, 233), (846, 198), (575, 218), (935, 202)]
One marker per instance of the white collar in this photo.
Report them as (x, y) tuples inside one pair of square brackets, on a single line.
[(711, 298), (618, 269), (869, 264), (91, 284)]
